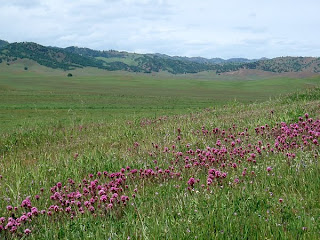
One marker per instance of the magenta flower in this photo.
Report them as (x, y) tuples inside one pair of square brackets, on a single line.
[(124, 198), (2, 219), (269, 169), (27, 231), (68, 209), (26, 203), (91, 209), (34, 211), (23, 218), (103, 198), (9, 208), (191, 182)]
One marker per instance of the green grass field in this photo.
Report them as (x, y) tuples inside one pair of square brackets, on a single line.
[(55, 128), (44, 96)]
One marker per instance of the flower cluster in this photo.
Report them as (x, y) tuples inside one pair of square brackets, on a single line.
[(233, 154)]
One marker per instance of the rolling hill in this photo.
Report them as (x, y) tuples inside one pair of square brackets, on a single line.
[(74, 57)]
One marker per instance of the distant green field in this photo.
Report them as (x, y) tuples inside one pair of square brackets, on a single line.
[(43, 96)]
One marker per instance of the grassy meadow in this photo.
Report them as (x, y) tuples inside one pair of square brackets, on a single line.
[(135, 156), (42, 96)]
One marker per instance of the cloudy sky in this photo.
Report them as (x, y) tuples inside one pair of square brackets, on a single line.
[(208, 28)]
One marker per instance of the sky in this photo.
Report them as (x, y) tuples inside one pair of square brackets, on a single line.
[(206, 28)]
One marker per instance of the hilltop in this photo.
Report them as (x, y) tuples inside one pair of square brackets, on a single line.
[(74, 57), (3, 43)]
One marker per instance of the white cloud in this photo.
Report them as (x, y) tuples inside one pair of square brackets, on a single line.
[(208, 28)]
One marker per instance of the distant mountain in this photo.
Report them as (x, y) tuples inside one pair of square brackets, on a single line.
[(283, 65), (75, 57), (209, 61), (201, 60)]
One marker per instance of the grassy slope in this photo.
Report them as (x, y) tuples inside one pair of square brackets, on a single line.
[(129, 60)]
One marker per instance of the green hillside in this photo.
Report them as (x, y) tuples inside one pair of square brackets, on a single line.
[(46, 56), (3, 43), (74, 57), (145, 62), (284, 64)]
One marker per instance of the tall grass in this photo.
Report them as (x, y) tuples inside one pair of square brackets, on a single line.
[(280, 200)]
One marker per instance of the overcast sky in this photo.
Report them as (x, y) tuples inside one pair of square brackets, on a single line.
[(208, 28)]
